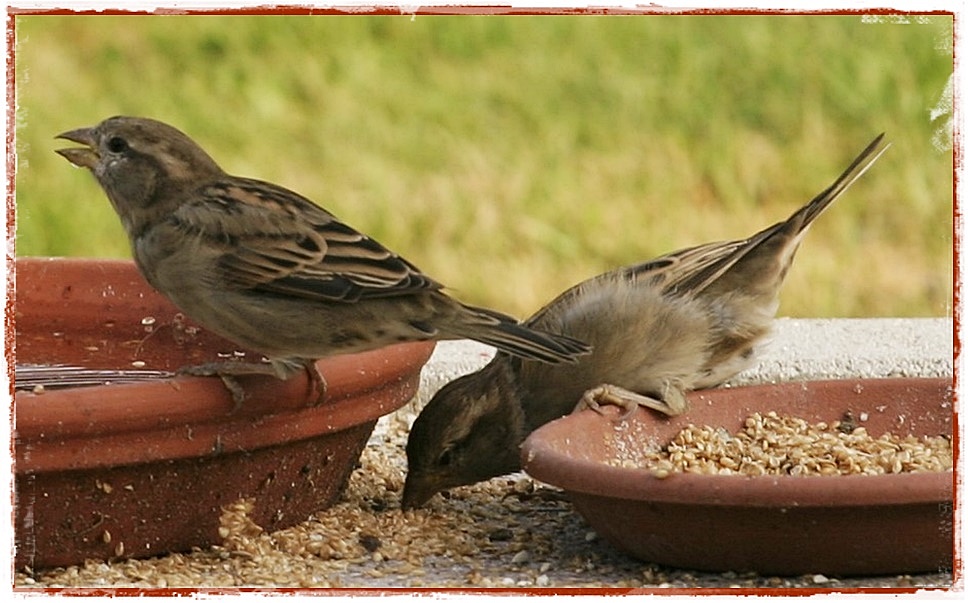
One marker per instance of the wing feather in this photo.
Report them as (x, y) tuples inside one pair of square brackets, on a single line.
[(275, 241)]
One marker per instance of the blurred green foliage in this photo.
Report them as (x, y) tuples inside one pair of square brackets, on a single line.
[(511, 157)]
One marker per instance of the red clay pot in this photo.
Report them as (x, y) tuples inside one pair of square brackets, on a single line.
[(773, 525), (141, 469)]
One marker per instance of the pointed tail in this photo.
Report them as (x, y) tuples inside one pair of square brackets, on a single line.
[(508, 335), (786, 233), (855, 170)]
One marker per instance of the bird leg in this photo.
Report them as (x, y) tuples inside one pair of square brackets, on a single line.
[(674, 403), (317, 383), (227, 372)]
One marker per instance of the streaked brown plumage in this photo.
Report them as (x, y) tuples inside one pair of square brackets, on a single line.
[(268, 269), (687, 320)]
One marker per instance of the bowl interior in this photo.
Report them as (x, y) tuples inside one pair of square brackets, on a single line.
[(583, 452), (769, 524), (102, 314)]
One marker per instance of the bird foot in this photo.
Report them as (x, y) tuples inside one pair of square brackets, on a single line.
[(597, 397), (317, 384), (228, 371)]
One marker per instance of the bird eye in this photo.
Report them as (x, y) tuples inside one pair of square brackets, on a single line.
[(117, 144), (445, 457)]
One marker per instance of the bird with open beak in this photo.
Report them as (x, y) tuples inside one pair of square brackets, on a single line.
[(269, 269)]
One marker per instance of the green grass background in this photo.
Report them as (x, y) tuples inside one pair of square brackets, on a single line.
[(511, 157)]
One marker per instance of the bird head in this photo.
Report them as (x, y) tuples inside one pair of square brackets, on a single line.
[(140, 163), (470, 431)]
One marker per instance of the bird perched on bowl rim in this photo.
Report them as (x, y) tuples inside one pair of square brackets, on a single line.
[(687, 320), (269, 269)]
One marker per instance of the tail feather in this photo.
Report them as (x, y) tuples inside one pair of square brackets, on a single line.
[(787, 232), (855, 170), (508, 335)]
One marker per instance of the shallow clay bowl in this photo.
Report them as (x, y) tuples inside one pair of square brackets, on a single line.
[(139, 469), (773, 525)]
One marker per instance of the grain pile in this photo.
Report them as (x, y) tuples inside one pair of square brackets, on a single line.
[(772, 444)]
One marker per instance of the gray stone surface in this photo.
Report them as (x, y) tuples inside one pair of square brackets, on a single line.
[(865, 347), (798, 349)]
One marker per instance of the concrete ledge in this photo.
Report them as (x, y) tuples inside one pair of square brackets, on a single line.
[(799, 349)]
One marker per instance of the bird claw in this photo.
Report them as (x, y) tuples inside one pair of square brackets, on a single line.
[(227, 372), (597, 397), (317, 384), (235, 388), (628, 400)]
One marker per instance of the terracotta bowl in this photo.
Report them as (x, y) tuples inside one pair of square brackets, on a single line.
[(773, 525), (139, 469)]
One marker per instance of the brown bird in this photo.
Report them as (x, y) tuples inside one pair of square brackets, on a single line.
[(270, 270), (687, 320)]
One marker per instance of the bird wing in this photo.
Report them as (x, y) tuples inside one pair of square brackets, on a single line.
[(677, 271), (276, 241), (665, 273)]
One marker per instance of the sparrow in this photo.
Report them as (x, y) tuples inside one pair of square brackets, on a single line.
[(687, 320), (268, 269)]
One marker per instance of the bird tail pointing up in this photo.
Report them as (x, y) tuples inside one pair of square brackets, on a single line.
[(766, 244), (855, 170)]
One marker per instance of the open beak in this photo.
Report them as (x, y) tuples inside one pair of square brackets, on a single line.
[(88, 157)]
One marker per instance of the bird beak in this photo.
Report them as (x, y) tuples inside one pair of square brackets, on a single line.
[(88, 157), (417, 491)]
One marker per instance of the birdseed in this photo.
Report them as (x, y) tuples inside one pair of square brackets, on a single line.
[(773, 444)]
